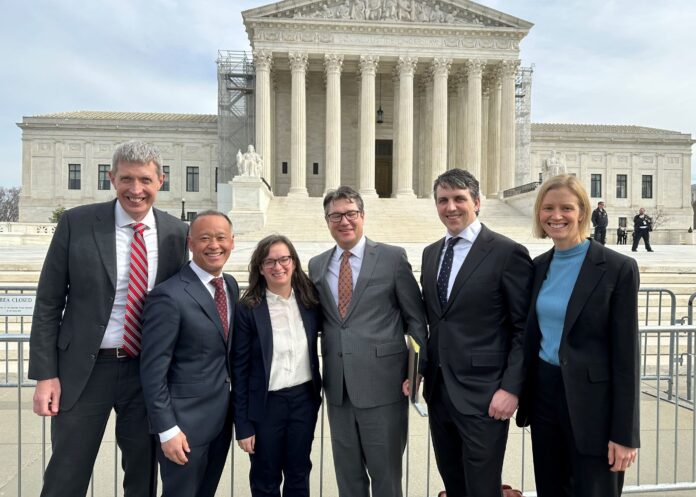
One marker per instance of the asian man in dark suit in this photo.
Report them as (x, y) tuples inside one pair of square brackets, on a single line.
[(185, 367), (475, 286), (370, 299), (85, 333)]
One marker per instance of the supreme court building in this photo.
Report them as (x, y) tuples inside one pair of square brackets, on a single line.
[(382, 95)]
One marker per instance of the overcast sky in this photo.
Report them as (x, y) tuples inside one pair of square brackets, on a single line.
[(596, 61)]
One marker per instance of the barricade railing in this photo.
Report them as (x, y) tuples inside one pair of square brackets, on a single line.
[(665, 463)]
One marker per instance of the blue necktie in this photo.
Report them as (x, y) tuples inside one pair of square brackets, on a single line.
[(445, 270)]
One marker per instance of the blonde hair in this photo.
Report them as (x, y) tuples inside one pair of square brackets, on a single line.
[(576, 187)]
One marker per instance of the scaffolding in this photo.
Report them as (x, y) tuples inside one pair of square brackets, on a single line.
[(236, 107), (523, 125)]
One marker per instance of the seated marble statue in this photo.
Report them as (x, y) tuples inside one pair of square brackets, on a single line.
[(250, 163)]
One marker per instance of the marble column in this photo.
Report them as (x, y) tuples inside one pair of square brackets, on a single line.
[(263, 61), (507, 124), (452, 107), (485, 101), (298, 130), (428, 131), (473, 116), (406, 67), (422, 127), (462, 98), (493, 177), (366, 179), (333, 64), (438, 155), (395, 132)]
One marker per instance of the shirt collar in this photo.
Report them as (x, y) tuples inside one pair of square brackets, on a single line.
[(272, 297), (469, 233), (124, 220), (202, 274), (357, 251)]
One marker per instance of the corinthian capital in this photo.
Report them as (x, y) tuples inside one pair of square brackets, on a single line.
[(333, 63), (368, 64), (441, 66), (263, 60), (508, 68), (475, 67), (406, 66), (298, 61)]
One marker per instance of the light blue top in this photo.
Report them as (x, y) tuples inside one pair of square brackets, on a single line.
[(552, 302)]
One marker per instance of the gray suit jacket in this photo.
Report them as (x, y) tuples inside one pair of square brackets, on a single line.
[(367, 349), (77, 288)]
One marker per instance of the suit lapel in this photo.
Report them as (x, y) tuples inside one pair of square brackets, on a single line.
[(325, 294), (262, 320), (105, 238), (163, 230), (433, 263), (477, 253), (591, 272), (231, 287), (200, 294), (367, 267)]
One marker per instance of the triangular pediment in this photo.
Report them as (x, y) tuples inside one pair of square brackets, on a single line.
[(445, 12)]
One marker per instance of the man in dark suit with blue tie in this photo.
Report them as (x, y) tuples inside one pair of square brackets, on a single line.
[(475, 286), (185, 366), (84, 345)]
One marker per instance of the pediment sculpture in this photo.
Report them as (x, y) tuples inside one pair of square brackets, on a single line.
[(419, 11)]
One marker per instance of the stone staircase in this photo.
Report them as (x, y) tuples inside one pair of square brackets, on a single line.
[(387, 220)]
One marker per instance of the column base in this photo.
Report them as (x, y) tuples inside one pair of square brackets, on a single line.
[(298, 192), (368, 193), (406, 193)]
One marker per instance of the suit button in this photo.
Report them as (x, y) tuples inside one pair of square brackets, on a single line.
[(227, 380), (340, 354), (93, 356), (564, 362)]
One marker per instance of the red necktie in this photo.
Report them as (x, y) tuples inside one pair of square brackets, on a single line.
[(137, 290), (221, 302), (345, 284)]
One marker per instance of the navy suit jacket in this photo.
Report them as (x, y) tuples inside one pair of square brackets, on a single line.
[(252, 355), (598, 352), (184, 362)]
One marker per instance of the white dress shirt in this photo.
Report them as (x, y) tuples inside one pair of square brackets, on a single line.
[(113, 336), (206, 279), (356, 260), (461, 250), (290, 362)]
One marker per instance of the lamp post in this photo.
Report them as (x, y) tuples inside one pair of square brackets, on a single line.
[(183, 211)]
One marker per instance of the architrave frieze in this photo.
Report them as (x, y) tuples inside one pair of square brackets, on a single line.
[(385, 40)]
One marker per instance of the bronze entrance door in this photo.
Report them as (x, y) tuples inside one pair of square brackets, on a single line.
[(383, 168)]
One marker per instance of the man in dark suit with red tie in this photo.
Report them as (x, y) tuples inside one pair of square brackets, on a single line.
[(185, 367), (475, 286), (85, 335)]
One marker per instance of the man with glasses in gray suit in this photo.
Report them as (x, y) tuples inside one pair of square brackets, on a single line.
[(369, 299)]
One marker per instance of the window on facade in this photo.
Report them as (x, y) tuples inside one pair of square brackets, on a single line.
[(103, 178), (74, 176), (192, 179), (191, 215), (621, 186), (623, 221), (646, 189), (284, 167), (596, 186), (165, 185), (216, 179), (315, 168)]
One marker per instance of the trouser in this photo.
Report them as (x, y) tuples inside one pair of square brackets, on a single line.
[(645, 235)]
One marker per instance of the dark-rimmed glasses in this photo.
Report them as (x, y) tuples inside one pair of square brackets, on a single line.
[(270, 263), (335, 217)]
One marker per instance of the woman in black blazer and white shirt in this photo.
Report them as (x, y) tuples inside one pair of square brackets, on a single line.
[(581, 394), (277, 387)]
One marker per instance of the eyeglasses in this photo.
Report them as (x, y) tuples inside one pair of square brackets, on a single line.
[(270, 263), (335, 217)]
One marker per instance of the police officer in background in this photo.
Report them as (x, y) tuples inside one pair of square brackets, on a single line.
[(600, 220)]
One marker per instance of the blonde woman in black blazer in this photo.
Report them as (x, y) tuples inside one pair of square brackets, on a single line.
[(581, 394)]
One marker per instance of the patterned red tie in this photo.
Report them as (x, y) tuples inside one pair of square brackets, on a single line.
[(137, 290), (345, 284), (221, 302)]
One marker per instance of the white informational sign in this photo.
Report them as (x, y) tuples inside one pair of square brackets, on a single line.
[(17, 304)]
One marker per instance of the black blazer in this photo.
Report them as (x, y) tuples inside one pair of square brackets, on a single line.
[(252, 353), (77, 288), (184, 362), (598, 352), (477, 337)]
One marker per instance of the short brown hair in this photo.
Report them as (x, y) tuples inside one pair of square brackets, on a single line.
[(576, 187)]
